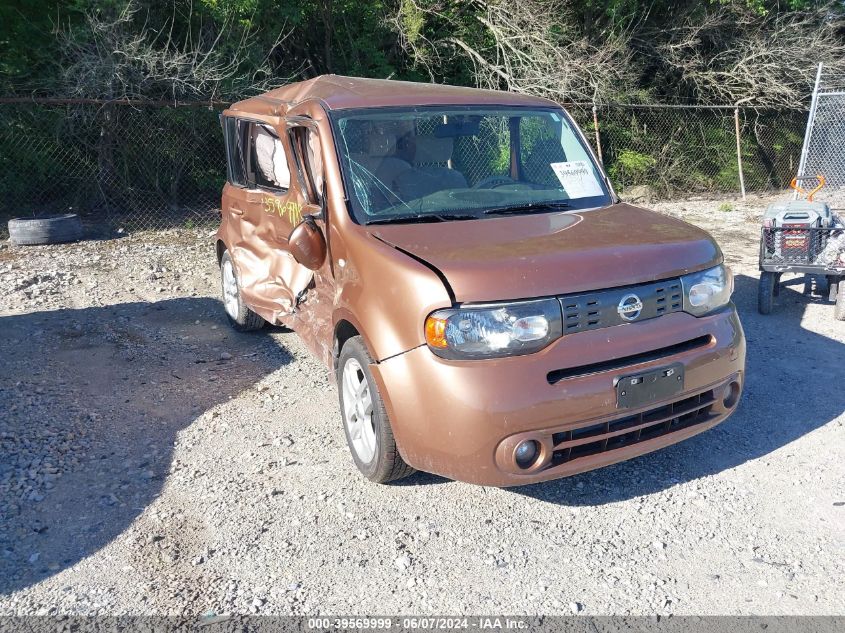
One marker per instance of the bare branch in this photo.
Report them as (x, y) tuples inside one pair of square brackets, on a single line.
[(534, 50), (123, 57), (769, 61)]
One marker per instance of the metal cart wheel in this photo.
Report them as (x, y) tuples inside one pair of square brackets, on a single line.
[(776, 290), (814, 285), (839, 310), (832, 287), (766, 292)]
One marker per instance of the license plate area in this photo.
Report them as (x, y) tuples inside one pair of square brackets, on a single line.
[(795, 242), (655, 384)]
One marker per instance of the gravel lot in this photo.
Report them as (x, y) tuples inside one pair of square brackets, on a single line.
[(152, 461)]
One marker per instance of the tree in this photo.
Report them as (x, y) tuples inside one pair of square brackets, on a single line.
[(124, 52), (736, 53), (724, 51)]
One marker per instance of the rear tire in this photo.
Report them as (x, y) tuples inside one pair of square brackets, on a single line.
[(240, 316), (839, 308), (365, 422), (765, 292)]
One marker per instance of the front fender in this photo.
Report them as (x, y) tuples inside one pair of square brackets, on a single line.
[(386, 295)]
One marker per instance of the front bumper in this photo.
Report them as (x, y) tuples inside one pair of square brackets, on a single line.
[(463, 419)]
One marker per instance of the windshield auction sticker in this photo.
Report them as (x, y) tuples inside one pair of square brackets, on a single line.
[(577, 178)]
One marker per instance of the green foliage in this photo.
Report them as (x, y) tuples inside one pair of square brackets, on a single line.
[(68, 150), (632, 166), (57, 157), (299, 38), (413, 21), (680, 152), (352, 37), (27, 45)]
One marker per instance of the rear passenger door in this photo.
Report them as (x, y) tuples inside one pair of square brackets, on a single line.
[(262, 205)]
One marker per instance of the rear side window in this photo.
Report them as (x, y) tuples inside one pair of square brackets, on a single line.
[(268, 163), (255, 156), (235, 164)]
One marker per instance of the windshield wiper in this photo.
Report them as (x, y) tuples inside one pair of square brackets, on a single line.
[(421, 217), (528, 208)]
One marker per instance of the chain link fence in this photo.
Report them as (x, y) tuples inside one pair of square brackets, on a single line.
[(679, 151), (153, 166), (117, 166), (823, 145)]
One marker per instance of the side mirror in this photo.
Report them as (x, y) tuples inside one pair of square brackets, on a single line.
[(307, 244)]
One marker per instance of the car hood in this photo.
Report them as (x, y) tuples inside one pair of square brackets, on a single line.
[(516, 257)]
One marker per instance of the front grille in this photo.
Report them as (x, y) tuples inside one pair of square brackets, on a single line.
[(627, 361), (626, 431), (808, 246), (600, 309)]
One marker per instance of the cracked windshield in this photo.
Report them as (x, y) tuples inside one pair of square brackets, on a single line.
[(428, 165)]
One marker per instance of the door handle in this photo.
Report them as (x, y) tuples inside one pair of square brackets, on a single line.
[(236, 210)]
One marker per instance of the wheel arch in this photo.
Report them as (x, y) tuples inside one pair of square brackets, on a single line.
[(346, 327), (343, 331)]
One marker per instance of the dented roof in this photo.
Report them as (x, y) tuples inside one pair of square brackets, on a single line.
[(337, 92)]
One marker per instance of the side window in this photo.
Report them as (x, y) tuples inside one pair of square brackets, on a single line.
[(235, 164), (309, 161), (268, 163), (315, 162)]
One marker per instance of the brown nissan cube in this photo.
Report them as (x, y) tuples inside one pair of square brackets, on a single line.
[(459, 260)]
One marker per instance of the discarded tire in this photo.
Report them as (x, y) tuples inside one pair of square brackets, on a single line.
[(45, 229)]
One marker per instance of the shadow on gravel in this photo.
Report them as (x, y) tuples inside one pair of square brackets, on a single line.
[(92, 401), (420, 478), (793, 379)]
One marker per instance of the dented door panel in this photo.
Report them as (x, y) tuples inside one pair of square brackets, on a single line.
[(313, 318), (255, 228)]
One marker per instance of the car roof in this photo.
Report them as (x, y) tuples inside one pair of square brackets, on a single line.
[(337, 92)]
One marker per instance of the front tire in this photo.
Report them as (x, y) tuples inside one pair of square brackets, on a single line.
[(365, 422), (240, 316)]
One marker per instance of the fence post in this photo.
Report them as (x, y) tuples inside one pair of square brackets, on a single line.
[(598, 139), (808, 132), (739, 153)]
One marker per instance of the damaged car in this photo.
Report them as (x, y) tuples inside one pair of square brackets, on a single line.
[(458, 259)]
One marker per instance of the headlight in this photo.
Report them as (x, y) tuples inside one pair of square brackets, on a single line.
[(707, 290), (492, 330)]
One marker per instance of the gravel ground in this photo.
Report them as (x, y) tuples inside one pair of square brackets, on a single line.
[(152, 461)]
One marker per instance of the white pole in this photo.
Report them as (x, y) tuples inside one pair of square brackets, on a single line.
[(808, 133), (739, 154), (598, 138)]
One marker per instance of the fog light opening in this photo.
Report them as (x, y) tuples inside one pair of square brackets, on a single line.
[(526, 453), (731, 396)]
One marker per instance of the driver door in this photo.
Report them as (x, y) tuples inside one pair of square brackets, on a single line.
[(312, 319)]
